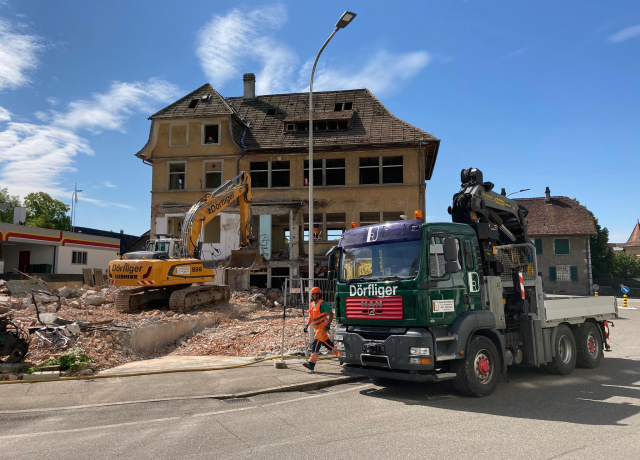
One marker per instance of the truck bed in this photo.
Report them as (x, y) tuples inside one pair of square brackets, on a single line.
[(577, 309)]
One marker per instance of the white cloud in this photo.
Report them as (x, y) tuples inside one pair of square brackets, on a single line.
[(5, 115), (241, 38), (383, 73), (515, 53), (109, 111), (36, 157), (52, 100), (244, 39), (625, 34), (42, 116), (109, 184), (18, 56)]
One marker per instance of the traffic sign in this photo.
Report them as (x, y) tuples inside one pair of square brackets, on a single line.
[(624, 289)]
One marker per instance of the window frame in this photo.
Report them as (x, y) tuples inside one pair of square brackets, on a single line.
[(203, 129), (323, 169), (555, 248), (381, 169), (169, 174), (204, 173), (269, 172), (79, 254), (171, 126), (537, 242)]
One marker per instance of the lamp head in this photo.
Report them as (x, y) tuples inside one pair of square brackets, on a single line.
[(345, 19)]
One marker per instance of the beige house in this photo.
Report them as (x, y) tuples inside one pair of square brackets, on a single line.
[(561, 229), (369, 166)]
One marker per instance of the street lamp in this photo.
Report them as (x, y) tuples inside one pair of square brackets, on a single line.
[(74, 201), (343, 22)]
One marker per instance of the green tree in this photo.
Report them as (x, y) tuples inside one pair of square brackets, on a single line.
[(6, 216), (46, 212), (626, 265), (601, 254)]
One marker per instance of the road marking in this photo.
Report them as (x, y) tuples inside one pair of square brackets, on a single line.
[(167, 419), (91, 428)]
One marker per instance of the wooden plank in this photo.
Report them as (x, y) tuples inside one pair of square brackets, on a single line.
[(88, 277), (98, 277)]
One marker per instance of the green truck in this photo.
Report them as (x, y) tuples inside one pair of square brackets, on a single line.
[(463, 300)]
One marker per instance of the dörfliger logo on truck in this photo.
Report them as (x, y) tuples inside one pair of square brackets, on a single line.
[(372, 290)]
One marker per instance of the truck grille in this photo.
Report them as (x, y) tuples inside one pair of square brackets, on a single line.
[(376, 308)]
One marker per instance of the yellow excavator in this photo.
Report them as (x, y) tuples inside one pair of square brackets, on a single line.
[(170, 269)]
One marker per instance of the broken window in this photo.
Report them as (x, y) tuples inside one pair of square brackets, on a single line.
[(79, 257), (174, 226), (391, 216), (178, 136), (369, 218), (336, 225), (271, 112), (329, 171), (267, 174), (212, 174), (381, 170), (348, 105), (279, 174), (212, 231), (211, 134), (177, 176), (338, 107), (302, 126)]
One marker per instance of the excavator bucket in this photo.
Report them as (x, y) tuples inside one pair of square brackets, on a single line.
[(245, 259)]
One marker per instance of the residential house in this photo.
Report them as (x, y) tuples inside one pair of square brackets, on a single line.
[(560, 228), (369, 166), (633, 243)]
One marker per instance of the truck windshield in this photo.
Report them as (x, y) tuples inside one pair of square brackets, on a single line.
[(380, 261)]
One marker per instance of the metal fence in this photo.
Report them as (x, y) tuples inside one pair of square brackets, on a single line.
[(296, 291), (518, 257)]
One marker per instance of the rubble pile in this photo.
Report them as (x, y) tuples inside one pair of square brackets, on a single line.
[(250, 324)]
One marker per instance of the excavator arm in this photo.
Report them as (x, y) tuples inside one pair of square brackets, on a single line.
[(210, 205)]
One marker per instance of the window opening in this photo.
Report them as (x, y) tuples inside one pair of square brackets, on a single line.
[(348, 105), (436, 257), (177, 176), (338, 107), (193, 103), (335, 223), (212, 174), (211, 134), (271, 112), (370, 170), (259, 171), (392, 170), (291, 127), (79, 257), (334, 171), (279, 173), (317, 172), (269, 174), (212, 231)]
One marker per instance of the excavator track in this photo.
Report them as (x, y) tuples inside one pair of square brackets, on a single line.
[(130, 300), (192, 297), (123, 299)]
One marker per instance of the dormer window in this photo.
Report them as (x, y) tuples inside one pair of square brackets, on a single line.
[(193, 103), (291, 126)]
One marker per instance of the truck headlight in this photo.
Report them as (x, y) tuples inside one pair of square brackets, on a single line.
[(340, 346), (419, 351), (339, 337)]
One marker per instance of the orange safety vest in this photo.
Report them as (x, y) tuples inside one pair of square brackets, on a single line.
[(318, 319)]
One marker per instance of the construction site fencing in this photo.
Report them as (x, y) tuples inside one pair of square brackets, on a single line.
[(296, 296)]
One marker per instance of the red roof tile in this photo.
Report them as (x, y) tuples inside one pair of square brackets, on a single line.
[(562, 216)]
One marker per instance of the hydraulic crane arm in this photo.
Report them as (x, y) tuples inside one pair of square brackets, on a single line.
[(210, 205)]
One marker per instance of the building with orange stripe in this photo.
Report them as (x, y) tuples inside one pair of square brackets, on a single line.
[(42, 250)]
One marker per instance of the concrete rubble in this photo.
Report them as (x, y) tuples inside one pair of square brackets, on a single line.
[(248, 325)]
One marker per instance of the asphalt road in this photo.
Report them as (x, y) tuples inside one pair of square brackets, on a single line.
[(589, 414)]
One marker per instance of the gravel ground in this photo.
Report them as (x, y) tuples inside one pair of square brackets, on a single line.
[(250, 324)]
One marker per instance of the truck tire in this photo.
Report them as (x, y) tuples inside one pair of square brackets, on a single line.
[(478, 373), (589, 344), (564, 347)]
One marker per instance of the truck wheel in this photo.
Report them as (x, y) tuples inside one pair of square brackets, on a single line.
[(589, 344), (478, 373), (564, 346)]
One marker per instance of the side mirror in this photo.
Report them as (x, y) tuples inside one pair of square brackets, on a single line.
[(450, 255), (333, 253)]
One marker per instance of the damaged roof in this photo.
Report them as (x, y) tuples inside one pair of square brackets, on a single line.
[(560, 216)]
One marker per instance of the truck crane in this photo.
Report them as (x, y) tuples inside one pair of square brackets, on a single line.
[(463, 300), (171, 269)]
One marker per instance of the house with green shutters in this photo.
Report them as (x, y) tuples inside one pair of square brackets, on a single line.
[(560, 229)]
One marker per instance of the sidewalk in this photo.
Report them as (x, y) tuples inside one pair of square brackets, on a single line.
[(223, 384)]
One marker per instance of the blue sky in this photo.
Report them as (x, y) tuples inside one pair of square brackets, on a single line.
[(535, 94)]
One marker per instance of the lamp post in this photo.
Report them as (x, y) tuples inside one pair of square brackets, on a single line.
[(343, 22), (74, 202)]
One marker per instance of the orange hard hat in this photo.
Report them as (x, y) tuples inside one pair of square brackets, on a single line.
[(315, 290)]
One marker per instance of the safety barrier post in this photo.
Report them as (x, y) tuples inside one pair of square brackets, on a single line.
[(625, 300)]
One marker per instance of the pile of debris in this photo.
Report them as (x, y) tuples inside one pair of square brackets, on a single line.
[(84, 317)]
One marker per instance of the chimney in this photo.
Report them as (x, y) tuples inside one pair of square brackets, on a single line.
[(547, 195), (249, 86)]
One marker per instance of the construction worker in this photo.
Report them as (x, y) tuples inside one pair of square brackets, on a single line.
[(320, 317)]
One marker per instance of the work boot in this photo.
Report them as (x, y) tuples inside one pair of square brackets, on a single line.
[(309, 365)]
